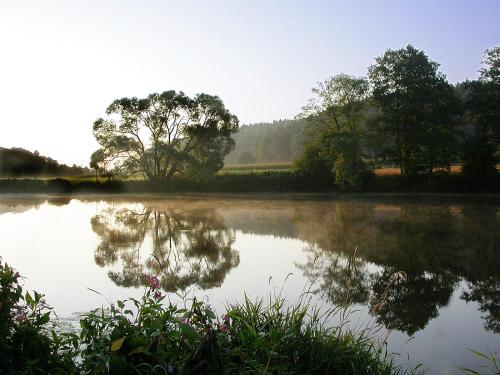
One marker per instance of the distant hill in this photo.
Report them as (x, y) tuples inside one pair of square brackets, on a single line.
[(279, 141), (18, 162)]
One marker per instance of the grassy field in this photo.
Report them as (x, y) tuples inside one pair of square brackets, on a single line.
[(256, 168), (286, 166)]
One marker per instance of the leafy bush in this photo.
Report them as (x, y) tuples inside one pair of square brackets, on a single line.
[(314, 168), (150, 336), (29, 341), (251, 338)]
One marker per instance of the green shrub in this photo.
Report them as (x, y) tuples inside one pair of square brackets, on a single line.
[(29, 341), (252, 338), (150, 336)]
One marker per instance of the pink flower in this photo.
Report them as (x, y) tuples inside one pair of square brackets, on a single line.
[(158, 294), (154, 283), (224, 328)]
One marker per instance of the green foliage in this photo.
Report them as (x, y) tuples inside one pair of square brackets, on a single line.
[(150, 336), (250, 338), (492, 61), (315, 167), (335, 114), (415, 127), (29, 342), (349, 168), (98, 161)]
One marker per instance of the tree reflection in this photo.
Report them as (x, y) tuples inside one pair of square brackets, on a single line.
[(342, 280), (434, 246), (487, 294), (183, 248), (408, 303)]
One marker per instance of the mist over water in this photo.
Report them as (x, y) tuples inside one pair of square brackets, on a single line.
[(426, 270)]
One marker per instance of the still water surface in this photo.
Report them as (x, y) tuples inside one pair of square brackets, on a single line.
[(441, 259)]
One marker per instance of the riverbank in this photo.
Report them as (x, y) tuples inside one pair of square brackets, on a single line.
[(153, 336), (247, 183)]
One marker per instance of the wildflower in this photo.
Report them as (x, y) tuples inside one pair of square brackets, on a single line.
[(21, 316), (154, 283), (158, 295), (171, 369), (224, 328)]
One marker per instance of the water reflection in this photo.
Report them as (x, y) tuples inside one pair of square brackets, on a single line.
[(403, 261), (434, 247), (18, 205), (183, 247)]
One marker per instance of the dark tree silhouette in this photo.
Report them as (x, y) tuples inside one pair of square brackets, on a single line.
[(165, 134), (416, 125)]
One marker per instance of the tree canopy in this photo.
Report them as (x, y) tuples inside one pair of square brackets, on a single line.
[(165, 134), (335, 112), (492, 61), (417, 109)]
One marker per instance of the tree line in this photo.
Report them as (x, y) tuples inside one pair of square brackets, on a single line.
[(405, 113), (18, 162)]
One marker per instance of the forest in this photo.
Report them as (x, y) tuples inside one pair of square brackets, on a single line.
[(277, 141)]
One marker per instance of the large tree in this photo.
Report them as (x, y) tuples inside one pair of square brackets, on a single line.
[(417, 107), (335, 113), (165, 134)]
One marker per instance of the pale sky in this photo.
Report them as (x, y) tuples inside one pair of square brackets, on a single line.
[(63, 62)]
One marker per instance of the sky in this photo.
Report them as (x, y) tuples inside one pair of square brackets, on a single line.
[(63, 62)]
